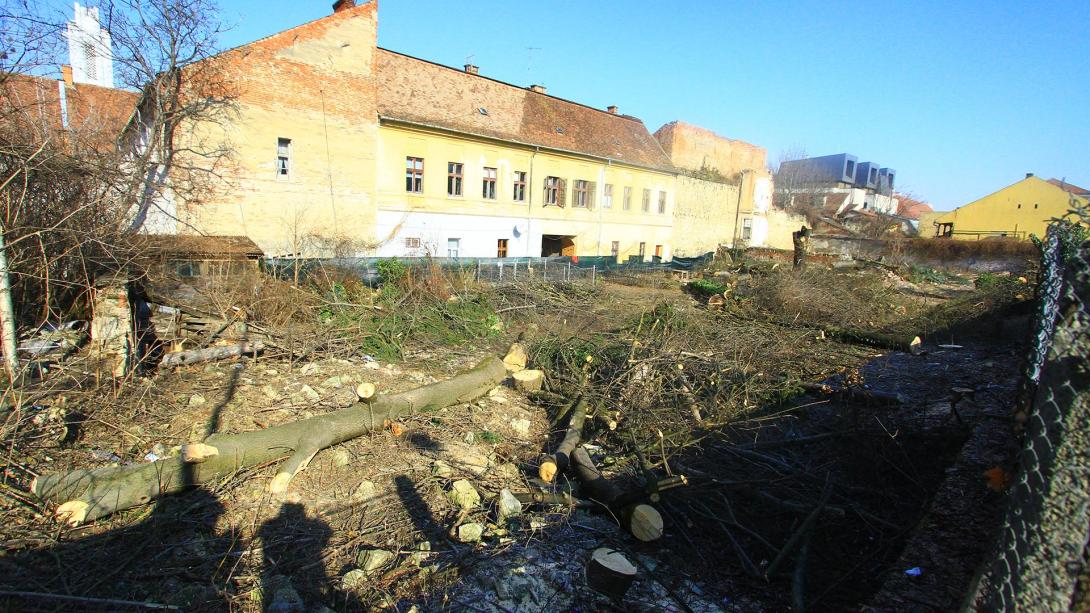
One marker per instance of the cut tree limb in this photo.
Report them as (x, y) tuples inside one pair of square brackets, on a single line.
[(642, 520), (528, 381), (551, 465), (86, 495), (196, 356)]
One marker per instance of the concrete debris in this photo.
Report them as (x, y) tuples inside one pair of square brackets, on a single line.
[(462, 494), (470, 533), (365, 491), (309, 394), (440, 468), (197, 400), (353, 580), (308, 369), (341, 457), (468, 459), (372, 560), (521, 427), (282, 597), (508, 506)]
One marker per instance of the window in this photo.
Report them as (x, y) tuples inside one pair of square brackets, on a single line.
[(646, 200), (283, 158), (554, 191), (414, 175), (873, 175), (501, 248), (627, 199), (488, 184), (1035, 205), (582, 199), (615, 248), (454, 179), (662, 202), (412, 242), (90, 55), (658, 251), (643, 249), (849, 169), (747, 229), (520, 186), (1019, 205), (453, 247), (607, 196)]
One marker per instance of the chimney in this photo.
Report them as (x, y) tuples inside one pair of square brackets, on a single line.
[(612, 109), (471, 69), (66, 74), (538, 88), (341, 5), (1029, 174)]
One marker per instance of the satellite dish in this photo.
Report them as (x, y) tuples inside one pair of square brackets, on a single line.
[(515, 231)]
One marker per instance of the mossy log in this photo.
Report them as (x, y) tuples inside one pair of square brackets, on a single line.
[(86, 495), (209, 354)]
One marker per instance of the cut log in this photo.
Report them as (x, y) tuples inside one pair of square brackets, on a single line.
[(86, 495), (871, 397), (552, 464), (610, 573), (528, 381), (642, 520), (196, 356), (365, 391), (516, 358)]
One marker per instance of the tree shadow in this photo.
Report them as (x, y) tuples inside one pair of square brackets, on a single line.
[(418, 509), (293, 570), (173, 557)]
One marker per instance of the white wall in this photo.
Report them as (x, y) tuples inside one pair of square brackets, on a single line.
[(478, 234)]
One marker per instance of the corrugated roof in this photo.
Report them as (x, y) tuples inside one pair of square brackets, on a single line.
[(421, 92)]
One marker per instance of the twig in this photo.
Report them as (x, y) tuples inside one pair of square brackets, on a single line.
[(803, 531), (88, 599)]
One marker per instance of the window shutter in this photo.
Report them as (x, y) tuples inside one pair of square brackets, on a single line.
[(592, 191), (561, 192)]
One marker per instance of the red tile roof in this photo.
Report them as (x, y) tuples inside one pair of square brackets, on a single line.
[(1074, 189), (96, 114), (421, 92), (910, 207)]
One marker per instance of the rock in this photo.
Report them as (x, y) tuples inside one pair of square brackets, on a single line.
[(282, 597), (309, 394), (372, 560), (462, 494), (365, 491), (420, 555), (470, 533), (270, 392), (333, 382), (372, 365), (440, 468), (466, 458), (341, 457), (507, 472), (353, 579), (521, 427), (196, 400), (516, 358), (508, 506), (308, 369)]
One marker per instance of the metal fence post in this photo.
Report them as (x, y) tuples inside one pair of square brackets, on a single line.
[(545, 269), (567, 274), (592, 270), (516, 270), (478, 271), (501, 271)]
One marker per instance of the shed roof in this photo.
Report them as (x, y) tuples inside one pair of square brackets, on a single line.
[(193, 245)]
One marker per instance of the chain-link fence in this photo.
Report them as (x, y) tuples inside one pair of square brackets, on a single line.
[(1040, 562)]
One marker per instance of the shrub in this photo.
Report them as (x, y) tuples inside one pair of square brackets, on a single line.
[(706, 287)]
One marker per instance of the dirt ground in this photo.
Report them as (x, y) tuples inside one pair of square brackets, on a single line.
[(893, 487)]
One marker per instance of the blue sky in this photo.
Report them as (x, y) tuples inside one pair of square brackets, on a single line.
[(962, 98)]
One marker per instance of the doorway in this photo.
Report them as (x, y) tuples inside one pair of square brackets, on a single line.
[(556, 245)]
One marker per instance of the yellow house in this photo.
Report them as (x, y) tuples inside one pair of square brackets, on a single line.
[(1016, 211), (344, 148)]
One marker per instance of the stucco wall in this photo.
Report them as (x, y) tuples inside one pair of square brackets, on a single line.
[(313, 85), (1020, 209), (704, 215)]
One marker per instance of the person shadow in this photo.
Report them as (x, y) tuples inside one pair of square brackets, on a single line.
[(175, 557), (294, 577)]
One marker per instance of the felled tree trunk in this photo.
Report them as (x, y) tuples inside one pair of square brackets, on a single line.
[(642, 520), (208, 354), (558, 461), (85, 495)]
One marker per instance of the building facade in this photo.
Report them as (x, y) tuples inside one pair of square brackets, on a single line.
[(344, 148), (838, 182), (1016, 211)]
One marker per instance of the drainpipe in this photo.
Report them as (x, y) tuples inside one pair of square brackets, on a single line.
[(738, 210), (530, 198), (601, 209)]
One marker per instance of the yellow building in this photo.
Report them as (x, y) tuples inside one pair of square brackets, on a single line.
[(1016, 211), (343, 148)]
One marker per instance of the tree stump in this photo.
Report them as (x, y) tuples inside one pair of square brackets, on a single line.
[(528, 381), (610, 573)]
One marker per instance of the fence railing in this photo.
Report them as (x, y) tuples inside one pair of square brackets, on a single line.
[(1040, 561)]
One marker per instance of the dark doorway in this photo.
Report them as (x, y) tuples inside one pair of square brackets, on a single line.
[(553, 245)]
